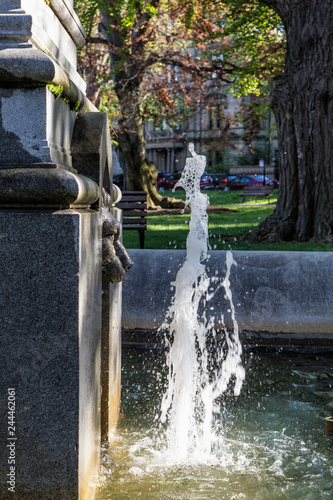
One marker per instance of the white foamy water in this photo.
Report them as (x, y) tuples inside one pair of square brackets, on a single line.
[(190, 402)]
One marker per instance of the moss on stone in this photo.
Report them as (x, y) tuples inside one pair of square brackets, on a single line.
[(56, 90)]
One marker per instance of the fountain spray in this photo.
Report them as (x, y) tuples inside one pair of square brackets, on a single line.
[(190, 401)]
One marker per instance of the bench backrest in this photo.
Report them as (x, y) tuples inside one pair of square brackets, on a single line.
[(134, 207)]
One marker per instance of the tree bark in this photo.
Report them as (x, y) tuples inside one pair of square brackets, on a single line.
[(302, 100), (142, 173)]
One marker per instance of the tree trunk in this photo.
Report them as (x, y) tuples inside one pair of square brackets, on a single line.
[(142, 173), (302, 100)]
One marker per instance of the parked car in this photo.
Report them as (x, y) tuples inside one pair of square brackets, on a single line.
[(267, 180), (251, 180), (162, 176), (225, 181), (206, 182), (170, 182), (217, 178)]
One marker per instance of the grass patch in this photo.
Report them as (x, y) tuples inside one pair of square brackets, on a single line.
[(225, 229)]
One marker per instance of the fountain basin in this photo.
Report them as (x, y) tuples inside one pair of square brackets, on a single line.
[(286, 292)]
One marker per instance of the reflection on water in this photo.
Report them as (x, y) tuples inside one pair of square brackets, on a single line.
[(268, 443)]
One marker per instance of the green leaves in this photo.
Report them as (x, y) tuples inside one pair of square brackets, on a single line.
[(87, 11), (255, 43), (165, 51)]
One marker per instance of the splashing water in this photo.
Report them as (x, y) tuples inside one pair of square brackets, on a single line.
[(190, 401), (268, 445)]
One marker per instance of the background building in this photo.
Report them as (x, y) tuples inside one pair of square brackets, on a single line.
[(216, 132)]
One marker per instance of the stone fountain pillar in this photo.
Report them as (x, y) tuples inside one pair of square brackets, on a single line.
[(50, 258)]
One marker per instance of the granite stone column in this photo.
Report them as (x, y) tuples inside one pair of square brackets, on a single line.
[(50, 260)]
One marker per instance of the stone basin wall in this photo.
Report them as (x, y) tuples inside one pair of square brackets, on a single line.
[(283, 297)]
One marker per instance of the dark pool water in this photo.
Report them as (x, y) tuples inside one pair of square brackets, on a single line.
[(269, 442)]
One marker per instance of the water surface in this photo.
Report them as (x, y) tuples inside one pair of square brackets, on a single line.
[(269, 442)]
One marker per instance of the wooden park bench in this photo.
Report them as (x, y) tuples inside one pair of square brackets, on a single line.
[(134, 207), (257, 191)]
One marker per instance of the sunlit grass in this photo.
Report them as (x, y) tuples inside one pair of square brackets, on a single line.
[(225, 229)]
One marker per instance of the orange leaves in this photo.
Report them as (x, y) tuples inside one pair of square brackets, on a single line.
[(165, 98)]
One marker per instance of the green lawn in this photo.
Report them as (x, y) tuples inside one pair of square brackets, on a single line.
[(225, 229)]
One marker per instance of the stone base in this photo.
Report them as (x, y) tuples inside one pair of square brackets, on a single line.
[(111, 359), (111, 353), (50, 334)]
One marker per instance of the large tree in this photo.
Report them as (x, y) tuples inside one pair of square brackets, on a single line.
[(148, 50), (302, 101), (143, 34), (301, 98)]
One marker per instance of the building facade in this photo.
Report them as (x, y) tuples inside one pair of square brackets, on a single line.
[(217, 133)]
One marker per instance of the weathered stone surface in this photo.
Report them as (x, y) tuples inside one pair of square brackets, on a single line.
[(65, 12), (90, 331), (287, 292), (46, 187), (91, 148), (34, 21), (111, 352), (38, 46), (7, 5), (50, 290), (50, 261), (111, 358), (15, 26), (35, 127), (18, 66)]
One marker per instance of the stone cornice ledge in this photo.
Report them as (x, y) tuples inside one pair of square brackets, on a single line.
[(69, 20), (28, 65), (36, 187)]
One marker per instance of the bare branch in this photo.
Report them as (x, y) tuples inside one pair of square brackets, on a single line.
[(103, 41), (194, 66)]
